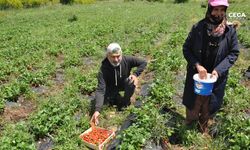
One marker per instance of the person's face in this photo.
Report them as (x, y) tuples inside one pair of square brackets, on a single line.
[(115, 58), (219, 11)]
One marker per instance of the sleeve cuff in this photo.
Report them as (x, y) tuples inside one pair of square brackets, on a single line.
[(194, 66), (136, 74), (98, 109)]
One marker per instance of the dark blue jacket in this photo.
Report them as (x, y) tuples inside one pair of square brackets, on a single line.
[(227, 54)]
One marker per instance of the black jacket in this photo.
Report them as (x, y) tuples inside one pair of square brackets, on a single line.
[(227, 54), (110, 77)]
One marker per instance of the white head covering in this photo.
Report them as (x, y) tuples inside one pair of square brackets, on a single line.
[(114, 48)]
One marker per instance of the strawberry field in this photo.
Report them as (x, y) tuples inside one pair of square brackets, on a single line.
[(50, 57)]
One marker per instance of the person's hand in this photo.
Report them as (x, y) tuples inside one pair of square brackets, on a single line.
[(215, 74), (202, 71), (133, 79), (94, 118)]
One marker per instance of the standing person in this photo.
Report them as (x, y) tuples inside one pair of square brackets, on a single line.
[(115, 76), (211, 47)]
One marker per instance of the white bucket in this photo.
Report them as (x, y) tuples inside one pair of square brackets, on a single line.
[(204, 86)]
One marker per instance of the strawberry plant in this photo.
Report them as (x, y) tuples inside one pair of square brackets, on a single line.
[(86, 83), (54, 114), (2, 105), (149, 123), (17, 137), (235, 129)]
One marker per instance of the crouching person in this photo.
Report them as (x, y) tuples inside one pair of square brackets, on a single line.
[(115, 76)]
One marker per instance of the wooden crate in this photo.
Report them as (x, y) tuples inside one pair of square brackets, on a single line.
[(102, 145)]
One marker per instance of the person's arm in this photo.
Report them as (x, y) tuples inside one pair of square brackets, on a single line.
[(100, 91), (99, 98), (137, 62), (187, 49), (232, 56)]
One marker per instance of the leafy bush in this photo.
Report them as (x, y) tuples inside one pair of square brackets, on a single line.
[(17, 137), (146, 0), (86, 83), (72, 59), (24, 3), (161, 92), (33, 3), (236, 1), (84, 1), (73, 18), (155, 0), (66, 1), (134, 137), (236, 130), (53, 115), (10, 4), (2, 104), (180, 1), (4, 4), (149, 124), (12, 91)]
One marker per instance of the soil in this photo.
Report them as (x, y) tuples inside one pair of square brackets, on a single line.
[(247, 111), (88, 61), (179, 78), (59, 77), (246, 83), (39, 89), (59, 60), (45, 144), (245, 52), (20, 110), (142, 88)]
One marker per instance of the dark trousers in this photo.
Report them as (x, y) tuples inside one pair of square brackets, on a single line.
[(199, 113), (113, 96)]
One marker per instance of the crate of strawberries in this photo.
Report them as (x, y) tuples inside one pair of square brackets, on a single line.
[(96, 137)]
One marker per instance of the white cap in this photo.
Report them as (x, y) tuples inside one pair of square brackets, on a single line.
[(114, 48)]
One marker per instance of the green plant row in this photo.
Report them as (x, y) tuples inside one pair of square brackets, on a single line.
[(17, 4)]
